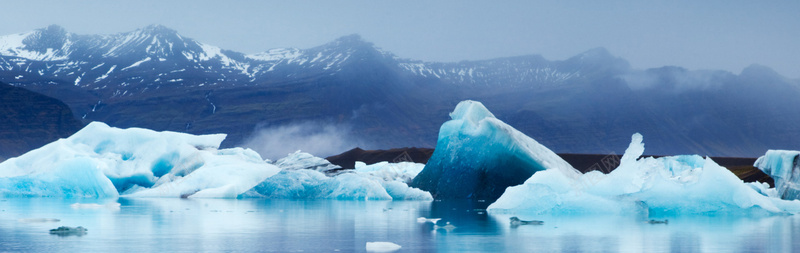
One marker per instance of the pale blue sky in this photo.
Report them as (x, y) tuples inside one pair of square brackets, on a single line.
[(728, 35)]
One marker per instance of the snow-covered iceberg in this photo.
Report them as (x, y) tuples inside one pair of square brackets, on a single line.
[(102, 161), (784, 167), (650, 186), (302, 160), (381, 181), (478, 156), (402, 171)]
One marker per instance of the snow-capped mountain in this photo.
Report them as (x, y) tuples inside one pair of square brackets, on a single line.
[(590, 103), (153, 57)]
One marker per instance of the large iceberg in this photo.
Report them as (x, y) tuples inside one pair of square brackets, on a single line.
[(102, 161), (478, 156), (301, 179), (650, 186), (784, 167)]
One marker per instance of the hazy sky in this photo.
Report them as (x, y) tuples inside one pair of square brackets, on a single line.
[(709, 34)]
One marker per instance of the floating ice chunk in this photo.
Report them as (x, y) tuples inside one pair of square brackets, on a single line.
[(663, 186), (431, 220), (302, 178), (447, 227), (382, 247), (784, 167), (478, 156), (311, 184), (102, 161), (67, 231)]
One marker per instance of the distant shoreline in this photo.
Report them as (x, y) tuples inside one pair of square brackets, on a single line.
[(742, 167)]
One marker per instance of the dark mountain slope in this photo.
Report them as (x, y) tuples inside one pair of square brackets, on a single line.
[(29, 120)]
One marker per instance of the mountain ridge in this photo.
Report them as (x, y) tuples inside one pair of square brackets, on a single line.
[(589, 103)]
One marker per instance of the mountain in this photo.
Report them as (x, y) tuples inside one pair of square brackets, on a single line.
[(590, 103), (29, 120)]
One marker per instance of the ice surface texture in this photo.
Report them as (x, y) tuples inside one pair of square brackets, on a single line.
[(302, 160), (478, 156), (102, 161), (648, 186), (784, 167), (381, 181)]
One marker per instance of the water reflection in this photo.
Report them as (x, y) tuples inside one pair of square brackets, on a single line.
[(203, 225)]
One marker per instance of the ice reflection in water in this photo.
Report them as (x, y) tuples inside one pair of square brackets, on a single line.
[(203, 225)]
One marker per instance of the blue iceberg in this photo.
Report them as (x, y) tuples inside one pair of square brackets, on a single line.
[(650, 186), (302, 179), (478, 156), (784, 167), (106, 162), (101, 161)]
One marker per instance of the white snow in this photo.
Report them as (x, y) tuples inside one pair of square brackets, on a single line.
[(107, 73), (135, 64), (12, 45), (276, 54)]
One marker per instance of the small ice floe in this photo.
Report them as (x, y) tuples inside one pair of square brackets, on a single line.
[(67, 231), (38, 220), (431, 220), (517, 222), (447, 227), (658, 221), (382, 247), (110, 206)]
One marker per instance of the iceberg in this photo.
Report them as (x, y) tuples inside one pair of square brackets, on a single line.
[(403, 171), (101, 161), (674, 185), (477, 156), (382, 247), (302, 160), (784, 167), (382, 181)]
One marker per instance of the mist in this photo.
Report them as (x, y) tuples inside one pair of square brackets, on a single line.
[(677, 79), (317, 138)]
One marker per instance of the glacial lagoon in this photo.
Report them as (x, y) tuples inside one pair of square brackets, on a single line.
[(268, 225)]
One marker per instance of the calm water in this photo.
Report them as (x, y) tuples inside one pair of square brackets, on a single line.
[(209, 225)]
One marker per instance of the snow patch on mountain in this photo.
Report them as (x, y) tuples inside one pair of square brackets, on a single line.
[(276, 54)]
